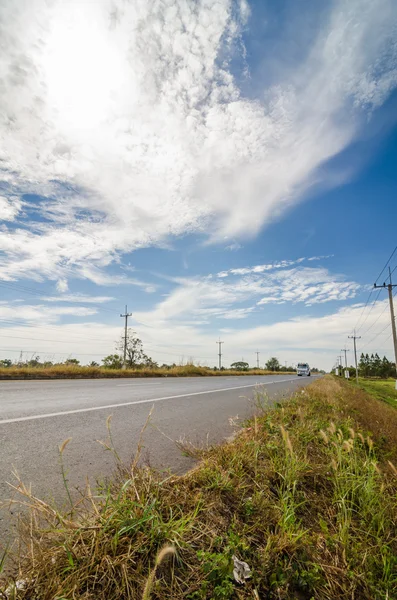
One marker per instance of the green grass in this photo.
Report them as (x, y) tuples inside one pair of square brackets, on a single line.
[(381, 389), (81, 372), (302, 495)]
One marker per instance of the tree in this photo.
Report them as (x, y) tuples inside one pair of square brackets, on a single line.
[(364, 365), (135, 356), (72, 361), (6, 363), (34, 362), (113, 361), (240, 365), (273, 364), (93, 363)]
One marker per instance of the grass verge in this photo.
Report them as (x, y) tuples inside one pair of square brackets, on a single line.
[(80, 372), (382, 389), (304, 494)]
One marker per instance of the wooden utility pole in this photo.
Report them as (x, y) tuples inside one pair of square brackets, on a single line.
[(354, 338), (125, 316), (390, 287), (220, 353)]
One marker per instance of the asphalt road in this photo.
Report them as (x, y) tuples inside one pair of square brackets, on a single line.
[(37, 416)]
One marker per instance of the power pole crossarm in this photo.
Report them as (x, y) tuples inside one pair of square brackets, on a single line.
[(390, 287), (125, 316)]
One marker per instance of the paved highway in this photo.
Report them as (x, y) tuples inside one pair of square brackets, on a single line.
[(37, 416)]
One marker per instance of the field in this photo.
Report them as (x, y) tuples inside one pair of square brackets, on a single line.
[(382, 389), (80, 372), (305, 494)]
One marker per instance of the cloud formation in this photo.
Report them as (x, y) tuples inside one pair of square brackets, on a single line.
[(128, 120), (210, 297)]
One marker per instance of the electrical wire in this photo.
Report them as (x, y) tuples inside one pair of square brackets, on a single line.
[(391, 256), (370, 310)]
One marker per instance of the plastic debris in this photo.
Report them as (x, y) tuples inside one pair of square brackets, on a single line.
[(241, 570)]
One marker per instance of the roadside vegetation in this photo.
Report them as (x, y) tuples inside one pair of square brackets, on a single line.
[(137, 364), (383, 389), (65, 371), (305, 494)]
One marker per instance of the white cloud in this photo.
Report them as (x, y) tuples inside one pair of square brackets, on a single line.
[(313, 339), (38, 313), (150, 132), (267, 267), (62, 285), (214, 297), (9, 208), (79, 298)]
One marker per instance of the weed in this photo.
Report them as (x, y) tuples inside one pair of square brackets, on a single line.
[(305, 495)]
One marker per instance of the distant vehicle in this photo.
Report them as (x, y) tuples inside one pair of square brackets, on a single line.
[(303, 369)]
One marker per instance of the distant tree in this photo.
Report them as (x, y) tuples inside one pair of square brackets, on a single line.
[(240, 365), (273, 364), (72, 361), (135, 356), (364, 365), (93, 363), (34, 362), (148, 363), (134, 353), (113, 361), (6, 363)]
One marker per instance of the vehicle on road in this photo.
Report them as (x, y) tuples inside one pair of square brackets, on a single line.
[(303, 369)]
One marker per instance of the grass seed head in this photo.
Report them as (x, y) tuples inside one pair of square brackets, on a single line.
[(352, 433), (332, 428), (392, 467), (324, 436), (63, 445)]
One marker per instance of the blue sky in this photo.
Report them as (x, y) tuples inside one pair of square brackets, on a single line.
[(224, 169)]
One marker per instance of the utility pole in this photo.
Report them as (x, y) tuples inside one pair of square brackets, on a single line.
[(125, 316), (257, 359), (354, 338), (390, 287), (220, 353), (340, 363), (345, 351)]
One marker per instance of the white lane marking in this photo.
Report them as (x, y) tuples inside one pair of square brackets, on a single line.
[(138, 384), (108, 406)]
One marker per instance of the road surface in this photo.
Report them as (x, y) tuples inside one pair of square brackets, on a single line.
[(37, 416)]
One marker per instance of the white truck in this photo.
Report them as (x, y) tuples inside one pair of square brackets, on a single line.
[(303, 369)]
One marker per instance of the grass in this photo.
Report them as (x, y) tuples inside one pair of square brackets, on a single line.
[(304, 494), (81, 372), (383, 389)]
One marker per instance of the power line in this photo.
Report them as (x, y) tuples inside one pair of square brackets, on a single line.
[(376, 320), (390, 287), (369, 312), (31, 292), (366, 304), (374, 338), (357, 327), (380, 274)]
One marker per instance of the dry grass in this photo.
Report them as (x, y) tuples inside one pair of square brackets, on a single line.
[(81, 372), (305, 496)]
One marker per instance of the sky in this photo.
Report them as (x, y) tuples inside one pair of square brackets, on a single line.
[(226, 169)]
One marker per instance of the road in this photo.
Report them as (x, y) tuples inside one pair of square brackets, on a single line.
[(37, 416)]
